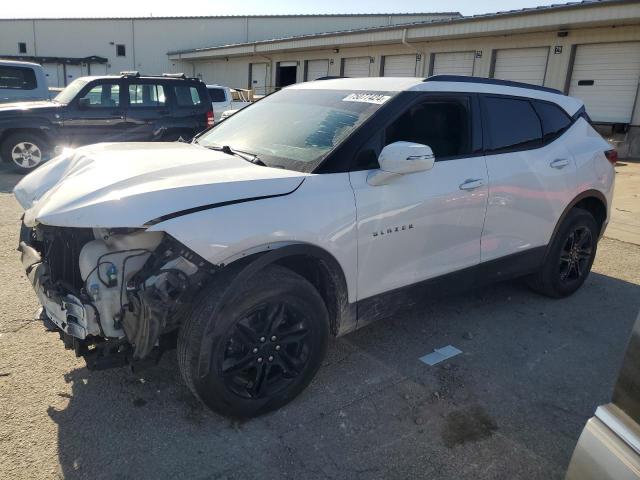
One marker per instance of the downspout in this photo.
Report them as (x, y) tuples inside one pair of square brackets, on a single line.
[(415, 49)]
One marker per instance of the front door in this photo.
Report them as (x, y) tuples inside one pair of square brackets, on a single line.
[(425, 224), (100, 117)]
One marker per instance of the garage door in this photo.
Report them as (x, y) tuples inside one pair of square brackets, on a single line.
[(399, 66), (526, 65), (51, 72), (355, 67), (317, 69), (605, 77), (454, 63)]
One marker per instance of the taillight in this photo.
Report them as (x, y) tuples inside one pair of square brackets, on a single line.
[(612, 156), (210, 119)]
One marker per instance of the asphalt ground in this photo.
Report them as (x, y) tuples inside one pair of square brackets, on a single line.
[(511, 406)]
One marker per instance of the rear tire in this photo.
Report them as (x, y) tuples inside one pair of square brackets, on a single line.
[(25, 151), (570, 256), (257, 352)]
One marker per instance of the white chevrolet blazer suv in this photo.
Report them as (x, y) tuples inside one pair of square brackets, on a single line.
[(306, 215)]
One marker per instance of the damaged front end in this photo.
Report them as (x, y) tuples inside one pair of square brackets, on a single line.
[(113, 294)]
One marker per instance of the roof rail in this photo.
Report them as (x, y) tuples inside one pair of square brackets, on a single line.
[(132, 73), (489, 81)]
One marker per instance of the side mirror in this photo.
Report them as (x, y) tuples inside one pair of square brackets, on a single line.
[(401, 158), (83, 103)]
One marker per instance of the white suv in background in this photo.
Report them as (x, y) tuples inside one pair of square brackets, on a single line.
[(307, 215)]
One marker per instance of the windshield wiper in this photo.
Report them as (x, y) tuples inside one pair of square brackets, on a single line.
[(249, 157)]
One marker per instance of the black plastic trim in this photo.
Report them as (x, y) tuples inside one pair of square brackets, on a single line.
[(388, 304), (210, 206)]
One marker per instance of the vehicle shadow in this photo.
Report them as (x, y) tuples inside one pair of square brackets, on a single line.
[(511, 405), (8, 178)]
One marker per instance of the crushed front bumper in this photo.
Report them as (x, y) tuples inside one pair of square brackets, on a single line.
[(64, 309)]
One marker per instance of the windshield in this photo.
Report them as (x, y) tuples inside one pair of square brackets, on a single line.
[(69, 93), (295, 128)]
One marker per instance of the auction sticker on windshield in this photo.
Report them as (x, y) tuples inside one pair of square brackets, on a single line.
[(367, 98)]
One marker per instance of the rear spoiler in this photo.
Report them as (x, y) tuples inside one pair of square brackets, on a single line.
[(582, 112)]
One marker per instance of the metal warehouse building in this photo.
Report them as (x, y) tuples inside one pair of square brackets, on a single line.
[(588, 49)]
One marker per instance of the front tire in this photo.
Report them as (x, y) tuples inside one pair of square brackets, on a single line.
[(25, 150), (570, 256), (257, 352)]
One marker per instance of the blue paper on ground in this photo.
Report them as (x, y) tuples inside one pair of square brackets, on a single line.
[(440, 354)]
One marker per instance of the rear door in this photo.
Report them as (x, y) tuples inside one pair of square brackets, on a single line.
[(429, 223), (148, 106), (532, 177), (190, 106), (101, 119)]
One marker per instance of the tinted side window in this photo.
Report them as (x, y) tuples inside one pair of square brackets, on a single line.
[(554, 119), (512, 123), (17, 78), (187, 96), (217, 95), (146, 95), (104, 95), (442, 124)]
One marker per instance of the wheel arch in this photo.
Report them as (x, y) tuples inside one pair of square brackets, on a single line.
[(593, 201), (313, 263), (42, 132)]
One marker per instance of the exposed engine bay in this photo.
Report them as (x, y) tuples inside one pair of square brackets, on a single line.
[(112, 293)]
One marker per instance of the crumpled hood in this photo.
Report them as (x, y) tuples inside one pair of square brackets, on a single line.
[(112, 185)]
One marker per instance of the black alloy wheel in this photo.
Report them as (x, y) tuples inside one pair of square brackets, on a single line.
[(575, 258), (266, 351)]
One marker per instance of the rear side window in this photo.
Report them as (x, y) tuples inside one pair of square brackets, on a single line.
[(187, 96), (512, 123), (554, 120), (146, 95), (17, 78), (217, 95)]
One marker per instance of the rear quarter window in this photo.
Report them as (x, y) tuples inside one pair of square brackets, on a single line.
[(187, 96), (554, 119), (217, 95), (17, 78), (512, 124)]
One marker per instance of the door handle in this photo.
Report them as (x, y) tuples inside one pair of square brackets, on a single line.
[(559, 163), (471, 184)]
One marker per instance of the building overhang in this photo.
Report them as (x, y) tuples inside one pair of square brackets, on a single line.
[(66, 60), (586, 14)]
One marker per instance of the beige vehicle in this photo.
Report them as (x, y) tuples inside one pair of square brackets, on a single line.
[(609, 447)]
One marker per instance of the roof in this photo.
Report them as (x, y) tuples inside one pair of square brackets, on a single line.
[(448, 83), (306, 15), (426, 23), (17, 63)]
